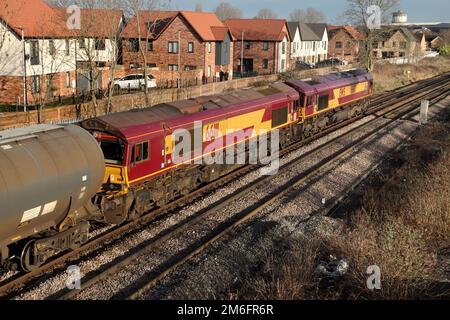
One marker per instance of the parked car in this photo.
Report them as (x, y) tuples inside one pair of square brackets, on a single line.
[(331, 62), (134, 82), (301, 65)]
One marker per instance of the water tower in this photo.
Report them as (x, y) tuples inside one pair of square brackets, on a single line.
[(400, 17)]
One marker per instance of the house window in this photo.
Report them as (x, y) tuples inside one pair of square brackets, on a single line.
[(265, 63), (67, 79), (51, 47), (209, 47), (67, 47), (173, 47), (209, 71), (151, 65), (134, 65), (140, 152), (348, 44), (190, 47), (283, 48), (134, 45), (149, 45), (247, 45), (173, 67), (338, 45), (34, 52), (394, 44), (403, 45), (100, 44), (35, 84), (82, 44), (283, 64), (190, 67), (265, 45)]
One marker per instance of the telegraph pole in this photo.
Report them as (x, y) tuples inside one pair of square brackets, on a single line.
[(242, 55), (24, 56)]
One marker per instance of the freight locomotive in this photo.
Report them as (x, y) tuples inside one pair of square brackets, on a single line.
[(55, 180)]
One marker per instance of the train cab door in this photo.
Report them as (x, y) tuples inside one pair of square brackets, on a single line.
[(145, 159), (309, 105)]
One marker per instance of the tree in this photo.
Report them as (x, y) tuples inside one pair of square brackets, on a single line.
[(226, 11), (364, 14), (199, 7), (135, 6), (311, 15), (266, 13)]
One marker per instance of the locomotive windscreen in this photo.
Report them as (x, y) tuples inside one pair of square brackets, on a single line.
[(113, 150)]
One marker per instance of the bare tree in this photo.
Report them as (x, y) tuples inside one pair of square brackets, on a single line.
[(199, 7), (266, 13), (146, 29), (226, 11), (363, 13), (311, 15)]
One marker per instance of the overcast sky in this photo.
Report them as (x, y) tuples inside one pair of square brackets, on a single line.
[(418, 10)]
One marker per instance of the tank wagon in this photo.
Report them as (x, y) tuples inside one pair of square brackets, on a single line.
[(47, 175)]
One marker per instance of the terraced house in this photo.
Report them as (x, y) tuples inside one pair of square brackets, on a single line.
[(178, 44), (260, 46), (36, 44), (309, 42)]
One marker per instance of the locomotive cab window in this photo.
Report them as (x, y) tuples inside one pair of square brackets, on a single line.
[(323, 102), (140, 152), (279, 116), (113, 151)]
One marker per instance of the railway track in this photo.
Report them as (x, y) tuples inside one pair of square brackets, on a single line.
[(223, 229), (11, 286)]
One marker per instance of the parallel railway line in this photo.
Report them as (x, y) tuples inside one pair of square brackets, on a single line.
[(433, 87)]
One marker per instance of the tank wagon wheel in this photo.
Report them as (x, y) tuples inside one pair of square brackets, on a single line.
[(26, 262)]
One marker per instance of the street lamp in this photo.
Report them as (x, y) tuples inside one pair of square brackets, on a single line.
[(24, 56)]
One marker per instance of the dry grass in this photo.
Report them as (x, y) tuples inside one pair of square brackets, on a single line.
[(389, 77), (401, 228)]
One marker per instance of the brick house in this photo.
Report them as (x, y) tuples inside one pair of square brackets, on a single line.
[(178, 44), (395, 43), (266, 45), (344, 43), (53, 52)]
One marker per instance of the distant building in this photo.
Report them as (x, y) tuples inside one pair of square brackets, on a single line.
[(399, 17), (344, 42), (263, 45), (182, 45), (396, 42), (309, 42)]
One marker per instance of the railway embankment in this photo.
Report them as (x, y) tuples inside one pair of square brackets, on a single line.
[(401, 226), (397, 222)]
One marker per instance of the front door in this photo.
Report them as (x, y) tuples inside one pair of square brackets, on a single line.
[(248, 65)]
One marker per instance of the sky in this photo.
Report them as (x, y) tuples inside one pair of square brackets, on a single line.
[(418, 10)]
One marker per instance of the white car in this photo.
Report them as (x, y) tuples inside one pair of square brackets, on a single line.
[(134, 82)]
